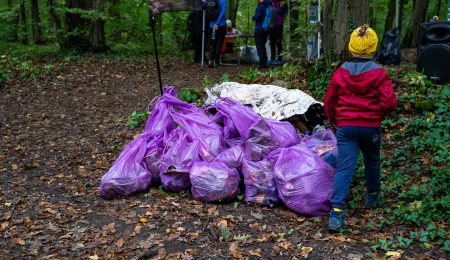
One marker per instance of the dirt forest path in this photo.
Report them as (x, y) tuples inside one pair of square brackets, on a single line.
[(61, 133)]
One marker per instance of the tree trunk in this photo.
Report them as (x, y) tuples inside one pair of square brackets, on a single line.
[(76, 27), (232, 11), (438, 8), (359, 12), (294, 22), (417, 17), (54, 20), (23, 22), (97, 33), (341, 27), (390, 17), (327, 32), (401, 13), (36, 22)]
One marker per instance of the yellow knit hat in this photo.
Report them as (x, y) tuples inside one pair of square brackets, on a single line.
[(363, 41)]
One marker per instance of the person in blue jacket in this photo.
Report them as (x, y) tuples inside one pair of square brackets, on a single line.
[(217, 32), (261, 34)]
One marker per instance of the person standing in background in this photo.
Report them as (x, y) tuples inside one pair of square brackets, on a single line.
[(195, 27), (217, 29), (260, 33), (276, 33)]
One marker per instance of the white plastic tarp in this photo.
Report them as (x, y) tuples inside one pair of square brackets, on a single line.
[(269, 101)]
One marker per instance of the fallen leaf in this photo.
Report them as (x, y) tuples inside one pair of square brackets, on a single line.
[(427, 245), (339, 238), (161, 254), (256, 252), (77, 246), (136, 231), (143, 220), (19, 241), (15, 167), (109, 227), (257, 215), (307, 249), (355, 256), (93, 257), (119, 242), (286, 245), (234, 248), (68, 235), (222, 223), (102, 164), (8, 204), (396, 254)]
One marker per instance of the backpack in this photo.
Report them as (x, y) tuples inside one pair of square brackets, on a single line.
[(212, 9), (270, 18)]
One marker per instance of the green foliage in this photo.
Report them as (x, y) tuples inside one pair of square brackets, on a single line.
[(3, 69), (250, 75), (224, 78), (188, 95), (206, 82), (318, 78), (136, 119)]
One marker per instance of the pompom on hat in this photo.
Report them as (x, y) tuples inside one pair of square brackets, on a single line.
[(363, 41)]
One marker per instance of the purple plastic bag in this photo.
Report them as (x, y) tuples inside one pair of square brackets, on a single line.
[(160, 119), (304, 181), (324, 144), (237, 118), (283, 132), (129, 173), (152, 160), (260, 185), (231, 158), (213, 181), (201, 128), (260, 141), (177, 159)]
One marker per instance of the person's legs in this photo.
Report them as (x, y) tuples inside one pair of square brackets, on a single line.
[(370, 146), (220, 37), (279, 42), (273, 42), (211, 48), (260, 40), (347, 143)]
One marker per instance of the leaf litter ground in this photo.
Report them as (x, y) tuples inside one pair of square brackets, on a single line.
[(62, 132)]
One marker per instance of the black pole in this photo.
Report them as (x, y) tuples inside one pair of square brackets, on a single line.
[(152, 23)]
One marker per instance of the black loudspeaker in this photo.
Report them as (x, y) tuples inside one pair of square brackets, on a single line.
[(433, 51)]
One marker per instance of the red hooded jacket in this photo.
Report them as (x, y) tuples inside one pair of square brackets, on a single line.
[(360, 94)]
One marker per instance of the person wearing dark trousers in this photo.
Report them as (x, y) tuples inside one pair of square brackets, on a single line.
[(195, 19), (261, 34), (217, 31), (276, 33)]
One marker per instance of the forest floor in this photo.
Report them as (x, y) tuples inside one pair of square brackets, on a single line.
[(59, 135)]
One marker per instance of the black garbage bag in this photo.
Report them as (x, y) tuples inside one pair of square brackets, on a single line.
[(389, 51)]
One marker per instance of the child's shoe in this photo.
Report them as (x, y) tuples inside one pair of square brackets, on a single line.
[(270, 62), (372, 199), (337, 220)]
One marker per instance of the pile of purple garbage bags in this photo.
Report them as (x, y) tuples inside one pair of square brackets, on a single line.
[(211, 150)]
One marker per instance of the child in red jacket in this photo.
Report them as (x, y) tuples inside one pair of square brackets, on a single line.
[(359, 96)]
